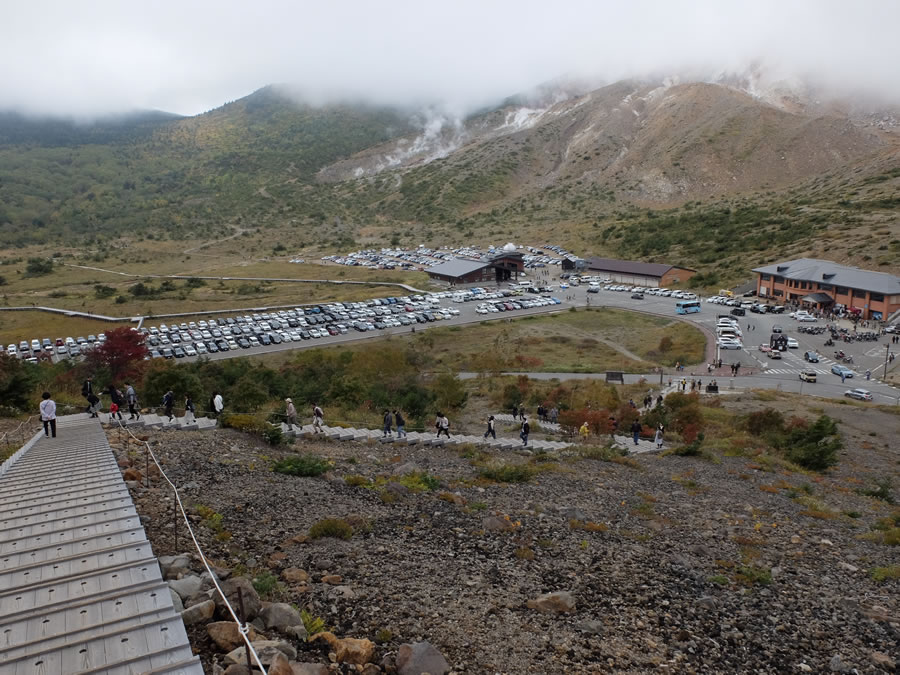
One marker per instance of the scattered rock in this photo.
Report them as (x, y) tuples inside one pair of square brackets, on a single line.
[(174, 566), (848, 567), (497, 524), (591, 626), (266, 650), (396, 489), (408, 467), (574, 513), (826, 542), (280, 616), (349, 650), (227, 636), (252, 603), (298, 631), (332, 579), (421, 657), (198, 613), (238, 669), (708, 603), (551, 603), (795, 539), (344, 592), (836, 665), (186, 586), (884, 661), (804, 667), (294, 575), (309, 669)]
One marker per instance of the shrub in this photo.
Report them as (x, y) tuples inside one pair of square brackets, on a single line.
[(265, 582), (885, 573), (312, 624), (273, 436), (814, 448), (752, 575), (338, 528), (764, 421), (882, 490), (302, 465), (507, 473), (355, 480), (420, 481)]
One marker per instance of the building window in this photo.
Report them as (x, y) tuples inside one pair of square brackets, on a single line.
[(858, 293), (777, 292), (876, 297), (840, 290), (765, 277), (804, 285), (778, 280), (825, 287)]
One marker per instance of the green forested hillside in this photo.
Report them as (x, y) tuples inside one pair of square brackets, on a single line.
[(63, 182)]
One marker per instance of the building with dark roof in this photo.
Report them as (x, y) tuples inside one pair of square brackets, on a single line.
[(502, 267), (639, 273), (823, 284)]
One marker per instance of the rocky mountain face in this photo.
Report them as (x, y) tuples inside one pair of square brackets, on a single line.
[(655, 141)]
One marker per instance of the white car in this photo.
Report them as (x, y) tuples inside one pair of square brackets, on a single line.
[(792, 343), (190, 351), (729, 343), (806, 318), (12, 350)]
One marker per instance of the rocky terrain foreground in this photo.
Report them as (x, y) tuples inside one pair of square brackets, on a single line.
[(678, 564)]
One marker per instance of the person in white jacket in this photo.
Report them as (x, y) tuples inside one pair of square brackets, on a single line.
[(218, 405), (48, 414)]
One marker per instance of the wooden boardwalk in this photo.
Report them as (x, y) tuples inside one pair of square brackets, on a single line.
[(80, 588)]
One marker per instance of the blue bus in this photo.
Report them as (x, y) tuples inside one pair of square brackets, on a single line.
[(687, 306)]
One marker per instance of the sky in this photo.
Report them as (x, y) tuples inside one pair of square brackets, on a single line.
[(105, 56)]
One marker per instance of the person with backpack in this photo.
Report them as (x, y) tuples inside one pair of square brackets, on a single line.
[(290, 414), (388, 419), (48, 414), (523, 434), (318, 419), (87, 390), (132, 400), (490, 428), (189, 417), (93, 404), (168, 404), (401, 424)]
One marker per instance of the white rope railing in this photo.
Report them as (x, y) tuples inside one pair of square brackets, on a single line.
[(243, 628), (16, 430)]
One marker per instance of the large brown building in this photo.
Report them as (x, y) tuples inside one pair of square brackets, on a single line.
[(639, 273), (822, 284), (502, 267)]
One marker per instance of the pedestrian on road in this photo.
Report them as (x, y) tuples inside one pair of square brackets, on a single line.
[(318, 419), (169, 403), (658, 439), (388, 420), (523, 434), (189, 417), (48, 414), (132, 399), (636, 431), (868, 374), (290, 414), (490, 428), (401, 424)]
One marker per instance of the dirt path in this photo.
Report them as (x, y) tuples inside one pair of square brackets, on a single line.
[(237, 234)]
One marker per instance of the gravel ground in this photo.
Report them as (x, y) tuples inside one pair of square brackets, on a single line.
[(674, 563)]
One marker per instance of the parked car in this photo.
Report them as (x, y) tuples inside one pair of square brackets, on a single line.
[(838, 369), (792, 343), (808, 375), (811, 357), (806, 318), (777, 329), (859, 394)]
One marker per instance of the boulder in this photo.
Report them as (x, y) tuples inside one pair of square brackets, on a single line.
[(186, 586), (252, 603), (421, 657), (266, 650), (280, 616), (132, 474), (239, 669), (198, 613), (333, 579), (294, 575), (349, 650), (884, 661), (174, 566), (227, 636), (497, 524), (177, 604), (553, 603), (279, 665)]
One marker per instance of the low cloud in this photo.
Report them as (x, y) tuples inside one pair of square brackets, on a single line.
[(106, 56)]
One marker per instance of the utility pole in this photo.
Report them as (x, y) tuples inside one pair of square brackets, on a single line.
[(887, 351)]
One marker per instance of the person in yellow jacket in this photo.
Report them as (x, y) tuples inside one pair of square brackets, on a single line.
[(584, 431)]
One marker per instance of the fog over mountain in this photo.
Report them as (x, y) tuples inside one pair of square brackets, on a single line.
[(84, 59)]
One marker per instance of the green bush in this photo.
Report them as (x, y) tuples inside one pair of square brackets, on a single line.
[(815, 447), (507, 473), (265, 582), (302, 465), (273, 436), (337, 528)]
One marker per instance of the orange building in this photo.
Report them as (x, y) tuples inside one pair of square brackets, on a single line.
[(822, 284)]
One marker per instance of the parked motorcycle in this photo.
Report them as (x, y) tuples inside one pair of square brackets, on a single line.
[(839, 354), (829, 342), (847, 359)]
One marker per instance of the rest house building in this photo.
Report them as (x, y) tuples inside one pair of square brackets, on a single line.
[(505, 266), (827, 286)]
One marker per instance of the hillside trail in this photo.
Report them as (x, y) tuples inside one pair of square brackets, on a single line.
[(237, 234)]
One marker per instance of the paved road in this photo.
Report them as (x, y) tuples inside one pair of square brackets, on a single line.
[(757, 369)]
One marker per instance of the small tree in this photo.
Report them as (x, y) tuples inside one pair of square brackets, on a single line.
[(15, 382), (121, 356)]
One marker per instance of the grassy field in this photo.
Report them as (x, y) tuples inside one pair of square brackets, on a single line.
[(584, 341)]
